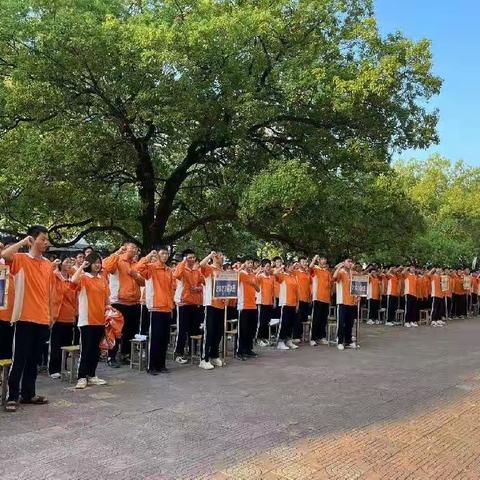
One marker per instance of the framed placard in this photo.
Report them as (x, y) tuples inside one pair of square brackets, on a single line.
[(359, 285), (467, 282), (225, 285), (444, 283), (4, 277)]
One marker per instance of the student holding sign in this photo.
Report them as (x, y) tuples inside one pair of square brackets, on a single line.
[(247, 309), (214, 312), (346, 302)]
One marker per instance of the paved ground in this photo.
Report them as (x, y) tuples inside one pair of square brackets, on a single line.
[(405, 406)]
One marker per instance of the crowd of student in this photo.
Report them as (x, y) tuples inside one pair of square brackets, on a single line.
[(65, 301)]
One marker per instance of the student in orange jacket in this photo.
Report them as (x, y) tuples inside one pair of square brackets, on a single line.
[(288, 301), (189, 299), (6, 328), (64, 313), (214, 312), (347, 304), (438, 302), (125, 283), (247, 310), (373, 295), (321, 294), (93, 299), (302, 272), (159, 290), (410, 280), (265, 298)]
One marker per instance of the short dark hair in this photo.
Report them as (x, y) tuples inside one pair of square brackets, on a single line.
[(274, 259), (188, 251), (266, 261), (85, 249), (302, 258), (92, 258), (248, 258), (36, 230), (161, 247)]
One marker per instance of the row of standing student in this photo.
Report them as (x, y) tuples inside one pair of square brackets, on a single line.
[(276, 290)]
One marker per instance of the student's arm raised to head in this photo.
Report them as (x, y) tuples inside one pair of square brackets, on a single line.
[(338, 269), (8, 253), (207, 259), (79, 272), (313, 262)]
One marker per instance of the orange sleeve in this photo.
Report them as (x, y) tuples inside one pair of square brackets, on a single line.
[(110, 264), (179, 271), (142, 268), (16, 264)]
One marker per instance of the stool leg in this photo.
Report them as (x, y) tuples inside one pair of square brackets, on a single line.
[(4, 384)]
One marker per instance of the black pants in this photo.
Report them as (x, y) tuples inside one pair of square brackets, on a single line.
[(320, 320), (247, 328), (189, 318), (131, 317), (265, 313), (6, 340), (287, 320), (392, 302), (411, 309), (90, 336), (232, 313), (459, 305), (449, 307), (158, 339), (346, 318), (28, 341), (438, 307), (302, 316), (213, 334), (61, 335), (145, 320), (373, 307)]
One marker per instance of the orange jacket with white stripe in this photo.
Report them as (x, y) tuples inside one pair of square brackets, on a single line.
[(246, 291), (187, 281), (321, 284), (6, 314), (124, 286), (288, 294), (64, 299), (304, 285), (209, 272), (159, 285), (266, 294), (93, 299)]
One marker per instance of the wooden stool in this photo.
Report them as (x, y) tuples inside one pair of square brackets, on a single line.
[(382, 315), (424, 317), (138, 354), (232, 335), (172, 341), (5, 366), (70, 360), (399, 317), (195, 352), (271, 326), (332, 333), (332, 312), (306, 331), (364, 314)]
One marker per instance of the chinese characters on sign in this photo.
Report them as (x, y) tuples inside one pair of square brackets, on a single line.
[(225, 285), (4, 270), (359, 285)]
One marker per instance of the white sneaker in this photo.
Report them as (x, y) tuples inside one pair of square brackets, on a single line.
[(323, 341), (81, 384), (389, 324), (206, 365), (352, 345), (291, 345), (296, 340), (281, 346), (96, 381), (434, 323), (407, 324), (313, 343), (340, 346), (414, 324), (370, 322), (181, 360), (55, 375), (440, 322), (216, 362)]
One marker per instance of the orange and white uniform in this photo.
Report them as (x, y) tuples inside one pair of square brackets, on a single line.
[(32, 288), (6, 314), (93, 297), (393, 285), (410, 284), (266, 294), (124, 288), (304, 286), (436, 285), (246, 291), (289, 290), (209, 272), (321, 284), (64, 299), (159, 285), (374, 288), (344, 297), (187, 279)]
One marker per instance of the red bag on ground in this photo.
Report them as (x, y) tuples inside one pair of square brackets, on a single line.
[(113, 328)]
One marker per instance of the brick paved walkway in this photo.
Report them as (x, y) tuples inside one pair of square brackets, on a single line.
[(405, 406)]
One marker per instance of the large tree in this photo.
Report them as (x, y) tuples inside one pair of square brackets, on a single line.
[(150, 118)]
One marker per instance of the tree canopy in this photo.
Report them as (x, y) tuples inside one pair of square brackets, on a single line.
[(163, 121)]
